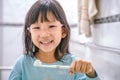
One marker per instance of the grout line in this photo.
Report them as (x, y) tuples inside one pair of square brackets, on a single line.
[(105, 48), (100, 47), (6, 67), (108, 19), (10, 24)]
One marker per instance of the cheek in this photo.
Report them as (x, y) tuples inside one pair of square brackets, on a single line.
[(58, 34), (34, 38)]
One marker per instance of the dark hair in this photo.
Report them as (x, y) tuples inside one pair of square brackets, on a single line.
[(41, 7)]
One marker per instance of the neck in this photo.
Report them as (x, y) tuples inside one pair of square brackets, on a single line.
[(46, 57)]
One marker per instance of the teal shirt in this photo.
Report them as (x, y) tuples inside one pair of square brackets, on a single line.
[(25, 70)]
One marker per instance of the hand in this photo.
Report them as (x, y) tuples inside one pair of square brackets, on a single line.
[(83, 67)]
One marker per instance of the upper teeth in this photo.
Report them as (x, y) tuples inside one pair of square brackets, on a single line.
[(46, 42)]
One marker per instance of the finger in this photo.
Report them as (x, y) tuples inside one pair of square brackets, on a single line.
[(83, 68), (72, 68), (90, 71), (78, 66), (89, 68)]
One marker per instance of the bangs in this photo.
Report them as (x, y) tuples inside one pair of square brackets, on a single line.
[(46, 17), (49, 12)]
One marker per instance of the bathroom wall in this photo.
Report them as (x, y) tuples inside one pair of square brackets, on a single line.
[(106, 28), (106, 40)]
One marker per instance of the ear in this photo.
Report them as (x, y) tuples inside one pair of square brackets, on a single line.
[(64, 33)]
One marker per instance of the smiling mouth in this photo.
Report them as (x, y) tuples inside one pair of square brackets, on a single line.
[(46, 42)]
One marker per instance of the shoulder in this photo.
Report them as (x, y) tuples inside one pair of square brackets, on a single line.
[(23, 59), (19, 66)]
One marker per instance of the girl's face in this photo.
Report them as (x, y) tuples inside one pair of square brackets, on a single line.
[(47, 35)]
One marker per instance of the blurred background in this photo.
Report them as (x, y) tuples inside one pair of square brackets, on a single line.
[(102, 48)]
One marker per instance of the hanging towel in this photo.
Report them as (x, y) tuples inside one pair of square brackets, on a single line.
[(86, 11)]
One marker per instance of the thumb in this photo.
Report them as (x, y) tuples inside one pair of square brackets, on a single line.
[(71, 71)]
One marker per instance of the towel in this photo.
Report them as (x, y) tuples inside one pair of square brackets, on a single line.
[(86, 12)]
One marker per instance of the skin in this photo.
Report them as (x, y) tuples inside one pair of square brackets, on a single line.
[(47, 36), (83, 67)]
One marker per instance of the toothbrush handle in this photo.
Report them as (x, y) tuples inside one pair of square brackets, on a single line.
[(37, 63), (55, 66)]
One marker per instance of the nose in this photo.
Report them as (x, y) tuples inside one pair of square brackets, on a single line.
[(44, 33)]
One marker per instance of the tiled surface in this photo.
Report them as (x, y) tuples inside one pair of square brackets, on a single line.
[(106, 63)]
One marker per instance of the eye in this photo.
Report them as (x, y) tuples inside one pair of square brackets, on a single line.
[(36, 28), (52, 26)]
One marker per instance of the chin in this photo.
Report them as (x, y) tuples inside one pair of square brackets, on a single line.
[(47, 51)]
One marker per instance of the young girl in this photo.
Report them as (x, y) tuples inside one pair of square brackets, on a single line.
[(46, 38)]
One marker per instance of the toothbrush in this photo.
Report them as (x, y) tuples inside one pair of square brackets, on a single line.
[(38, 63)]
